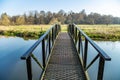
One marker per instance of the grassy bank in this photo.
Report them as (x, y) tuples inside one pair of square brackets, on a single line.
[(25, 31), (102, 32), (96, 32)]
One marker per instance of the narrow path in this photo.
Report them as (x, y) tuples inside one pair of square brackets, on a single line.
[(64, 62)]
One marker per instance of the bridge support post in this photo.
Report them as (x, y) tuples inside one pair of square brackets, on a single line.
[(29, 68), (49, 36), (43, 52), (52, 36), (72, 31), (100, 69), (79, 41), (75, 36), (85, 53)]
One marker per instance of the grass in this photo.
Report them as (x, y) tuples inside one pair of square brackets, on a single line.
[(26, 31), (102, 32), (96, 32)]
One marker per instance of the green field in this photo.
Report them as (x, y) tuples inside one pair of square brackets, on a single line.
[(102, 32), (96, 32), (25, 31)]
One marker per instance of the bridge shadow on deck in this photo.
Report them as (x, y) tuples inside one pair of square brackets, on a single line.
[(64, 62)]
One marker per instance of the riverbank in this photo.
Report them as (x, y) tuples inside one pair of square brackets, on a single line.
[(96, 32), (102, 32), (25, 31)]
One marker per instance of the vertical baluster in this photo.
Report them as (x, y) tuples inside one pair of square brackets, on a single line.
[(85, 53), (101, 69), (43, 52), (52, 36), (55, 31), (75, 36), (72, 31), (29, 68), (70, 28), (49, 43), (79, 41)]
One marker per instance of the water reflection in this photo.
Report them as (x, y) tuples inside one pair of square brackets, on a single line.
[(13, 68), (111, 71), (11, 49)]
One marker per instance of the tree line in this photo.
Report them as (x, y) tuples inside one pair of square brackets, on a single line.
[(61, 17)]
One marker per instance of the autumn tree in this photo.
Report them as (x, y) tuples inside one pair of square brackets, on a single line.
[(5, 19), (54, 21), (42, 17), (20, 20)]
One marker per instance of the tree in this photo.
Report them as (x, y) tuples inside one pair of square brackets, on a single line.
[(68, 19), (25, 17), (36, 21), (48, 17), (5, 19), (60, 16), (33, 17), (54, 21), (42, 17), (30, 19), (20, 20)]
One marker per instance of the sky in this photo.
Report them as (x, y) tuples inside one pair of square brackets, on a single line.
[(19, 7)]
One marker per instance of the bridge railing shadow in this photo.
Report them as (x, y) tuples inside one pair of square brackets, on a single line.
[(47, 41), (78, 36)]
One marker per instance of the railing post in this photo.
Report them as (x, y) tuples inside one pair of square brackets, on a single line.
[(75, 36), (79, 41), (72, 31), (43, 52), (52, 36), (70, 28), (101, 69), (85, 53), (49, 42), (55, 31), (29, 68)]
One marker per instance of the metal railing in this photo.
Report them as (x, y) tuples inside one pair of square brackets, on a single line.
[(50, 35), (77, 34)]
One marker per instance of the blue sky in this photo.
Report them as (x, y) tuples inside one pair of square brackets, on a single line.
[(15, 7)]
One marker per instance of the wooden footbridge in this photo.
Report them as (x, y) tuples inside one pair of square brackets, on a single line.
[(64, 61)]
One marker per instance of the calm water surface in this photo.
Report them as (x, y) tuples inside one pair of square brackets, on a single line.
[(13, 68), (112, 68)]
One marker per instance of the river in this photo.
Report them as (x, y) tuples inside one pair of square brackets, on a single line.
[(13, 68)]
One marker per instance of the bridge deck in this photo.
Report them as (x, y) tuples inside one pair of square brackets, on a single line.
[(64, 62)]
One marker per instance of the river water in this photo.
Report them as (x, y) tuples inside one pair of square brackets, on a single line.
[(13, 68)]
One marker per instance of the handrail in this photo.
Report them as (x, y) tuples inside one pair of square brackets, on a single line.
[(30, 50), (51, 35), (76, 34), (101, 52)]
